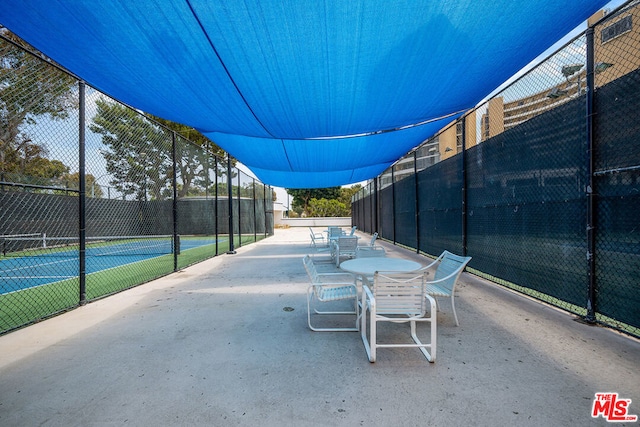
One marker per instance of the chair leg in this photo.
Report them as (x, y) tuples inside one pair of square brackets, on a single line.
[(371, 345), (315, 329), (434, 336), (368, 347), (433, 320), (453, 307), (429, 355), (373, 337)]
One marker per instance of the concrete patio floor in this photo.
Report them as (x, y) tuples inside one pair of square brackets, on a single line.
[(217, 345)]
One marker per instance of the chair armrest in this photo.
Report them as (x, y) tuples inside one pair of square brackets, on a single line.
[(432, 302), (329, 285), (430, 265), (335, 274), (431, 282), (345, 278), (365, 281), (367, 295)]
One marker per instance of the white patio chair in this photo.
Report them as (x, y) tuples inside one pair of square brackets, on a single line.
[(317, 243), (398, 298), (448, 268), (372, 242), (329, 288), (371, 252), (345, 247), (322, 252), (335, 232), (317, 238)]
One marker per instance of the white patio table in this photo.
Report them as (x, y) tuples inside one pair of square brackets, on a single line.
[(366, 267)]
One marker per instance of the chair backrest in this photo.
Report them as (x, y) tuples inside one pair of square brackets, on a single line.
[(347, 244), (311, 269), (353, 230), (371, 252), (314, 243), (335, 231), (373, 239), (450, 265), (400, 293)]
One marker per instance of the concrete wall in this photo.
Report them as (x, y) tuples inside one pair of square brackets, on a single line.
[(280, 220)]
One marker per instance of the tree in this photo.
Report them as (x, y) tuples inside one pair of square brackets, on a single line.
[(31, 165), (346, 194), (141, 150), (192, 163), (302, 196), (194, 159), (323, 202), (72, 180), (30, 87), (139, 154), (191, 135), (328, 208)]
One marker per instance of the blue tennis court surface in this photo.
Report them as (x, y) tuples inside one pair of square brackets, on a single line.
[(56, 264)]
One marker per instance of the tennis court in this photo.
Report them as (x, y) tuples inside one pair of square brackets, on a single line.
[(35, 260)]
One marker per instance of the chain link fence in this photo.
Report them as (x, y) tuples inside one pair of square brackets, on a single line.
[(96, 197), (540, 184)]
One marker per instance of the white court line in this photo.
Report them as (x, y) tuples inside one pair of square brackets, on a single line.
[(37, 277), (29, 267)]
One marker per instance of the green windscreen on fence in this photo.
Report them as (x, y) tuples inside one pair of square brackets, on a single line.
[(526, 205), (546, 189), (618, 186), (439, 207)]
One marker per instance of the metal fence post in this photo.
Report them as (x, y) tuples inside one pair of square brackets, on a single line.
[(264, 206), (417, 191), (590, 190), (255, 215), (393, 201), (463, 159), (239, 209), (230, 200), (82, 223), (215, 165), (270, 225), (376, 206), (174, 183)]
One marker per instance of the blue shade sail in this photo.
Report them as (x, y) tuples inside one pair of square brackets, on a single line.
[(318, 179), (263, 77), (326, 154)]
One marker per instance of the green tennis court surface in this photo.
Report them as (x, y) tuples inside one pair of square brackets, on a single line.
[(30, 261)]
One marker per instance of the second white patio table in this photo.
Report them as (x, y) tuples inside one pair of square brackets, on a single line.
[(366, 267)]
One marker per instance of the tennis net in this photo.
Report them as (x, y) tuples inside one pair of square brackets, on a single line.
[(40, 244)]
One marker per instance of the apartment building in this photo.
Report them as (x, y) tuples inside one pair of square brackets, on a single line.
[(615, 42)]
